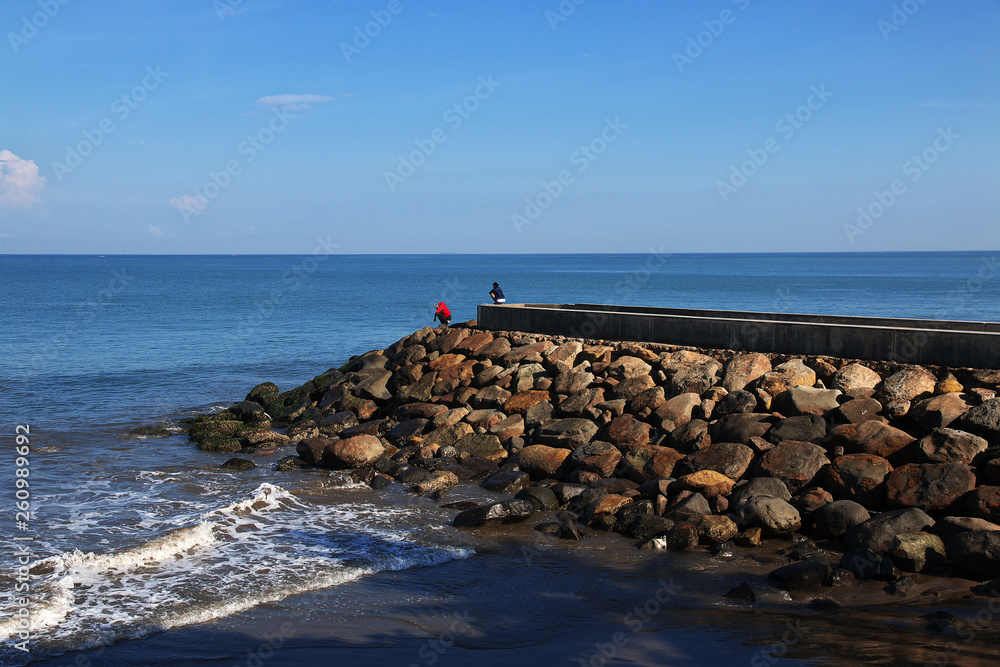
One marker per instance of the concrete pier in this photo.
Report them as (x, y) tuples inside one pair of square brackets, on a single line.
[(912, 341)]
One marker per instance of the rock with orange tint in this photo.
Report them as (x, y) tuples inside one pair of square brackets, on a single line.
[(542, 461), (519, 403), (706, 482)]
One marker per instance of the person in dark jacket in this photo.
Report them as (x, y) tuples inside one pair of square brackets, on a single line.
[(497, 294), (442, 313)]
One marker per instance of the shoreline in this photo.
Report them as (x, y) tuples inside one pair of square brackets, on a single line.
[(621, 436)]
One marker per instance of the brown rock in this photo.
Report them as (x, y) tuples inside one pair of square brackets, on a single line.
[(853, 377), (650, 462), (311, 450), (648, 401), (494, 350), (706, 482), (627, 367), (437, 482), (564, 356), (632, 387), (939, 411), (714, 529), (450, 417), (446, 361), (929, 486), (744, 369), (600, 458), (520, 402), (859, 477), (473, 342), (356, 452), (583, 402), (984, 503), (492, 397), (627, 432), (677, 411), (571, 381), (858, 411), (445, 343), (794, 463), (448, 435), (873, 437), (568, 433), (530, 352), (482, 446), (692, 436), (906, 385), (728, 458), (511, 427), (946, 445), (541, 461), (949, 384), (689, 371)]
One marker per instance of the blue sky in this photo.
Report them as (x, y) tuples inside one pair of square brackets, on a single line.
[(260, 126)]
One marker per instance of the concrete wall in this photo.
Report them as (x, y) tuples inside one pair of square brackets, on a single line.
[(945, 343)]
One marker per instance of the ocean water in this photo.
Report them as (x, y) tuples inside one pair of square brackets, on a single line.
[(136, 538)]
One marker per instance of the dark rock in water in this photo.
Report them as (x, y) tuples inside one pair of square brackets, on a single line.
[(566, 492), (565, 527), (461, 505), (807, 428), (361, 450), (794, 463), (380, 481), (750, 538), (801, 576), (866, 564), (151, 432), (976, 553), (645, 526), (412, 475), (290, 463), (901, 587), (942, 621), (507, 482), (682, 536), (541, 498), (834, 519), (876, 533), (577, 503), (504, 511), (842, 578), (238, 464), (929, 486), (716, 530), (264, 393), (824, 605)]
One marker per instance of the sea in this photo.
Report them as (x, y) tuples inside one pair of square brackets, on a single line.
[(120, 549)]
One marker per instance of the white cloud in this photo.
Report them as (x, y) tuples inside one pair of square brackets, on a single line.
[(189, 204), (295, 102), (155, 231), (20, 183)]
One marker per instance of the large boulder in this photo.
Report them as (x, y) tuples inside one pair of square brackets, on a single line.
[(356, 452), (676, 411), (744, 369), (917, 552), (834, 519), (482, 446), (374, 386), (563, 356), (735, 402), (741, 427), (729, 458), (982, 420), (541, 461), (939, 411), (758, 486), (649, 462), (984, 503), (600, 458), (806, 401), (504, 511), (572, 380), (946, 445), (856, 380), (876, 534), (567, 433), (627, 367), (793, 462), (976, 553), (906, 385), (582, 402), (689, 371), (520, 402), (805, 428), (878, 438), (626, 431), (929, 486), (858, 477), (773, 516), (802, 575)]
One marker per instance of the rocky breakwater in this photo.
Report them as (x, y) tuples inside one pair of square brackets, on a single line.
[(874, 470)]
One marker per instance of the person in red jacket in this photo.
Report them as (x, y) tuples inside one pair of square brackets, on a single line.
[(442, 313)]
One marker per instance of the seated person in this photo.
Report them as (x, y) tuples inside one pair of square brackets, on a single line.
[(442, 313), (497, 294)]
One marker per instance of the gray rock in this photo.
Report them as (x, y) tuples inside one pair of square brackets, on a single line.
[(504, 511), (772, 515), (876, 534), (758, 486), (802, 576), (540, 497), (833, 519)]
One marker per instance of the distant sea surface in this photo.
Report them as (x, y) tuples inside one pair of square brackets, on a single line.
[(133, 537)]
